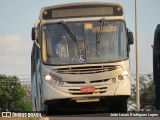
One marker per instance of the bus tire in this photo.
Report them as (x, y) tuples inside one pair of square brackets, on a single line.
[(50, 109)]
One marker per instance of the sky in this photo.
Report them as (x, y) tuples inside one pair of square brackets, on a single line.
[(17, 17)]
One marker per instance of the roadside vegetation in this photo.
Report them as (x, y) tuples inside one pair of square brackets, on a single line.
[(147, 94), (13, 97)]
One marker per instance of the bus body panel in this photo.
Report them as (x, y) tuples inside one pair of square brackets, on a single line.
[(121, 87)]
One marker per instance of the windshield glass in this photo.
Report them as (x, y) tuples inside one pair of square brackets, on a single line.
[(59, 47)]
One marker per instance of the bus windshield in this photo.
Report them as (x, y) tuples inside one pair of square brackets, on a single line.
[(93, 43)]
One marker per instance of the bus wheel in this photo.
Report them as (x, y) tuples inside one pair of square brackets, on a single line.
[(50, 109), (118, 106)]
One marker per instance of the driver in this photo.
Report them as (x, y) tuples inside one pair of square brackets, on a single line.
[(62, 48)]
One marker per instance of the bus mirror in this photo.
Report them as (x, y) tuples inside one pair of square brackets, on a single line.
[(130, 37), (34, 36), (34, 33)]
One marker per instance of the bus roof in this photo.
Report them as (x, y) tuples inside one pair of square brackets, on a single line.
[(80, 4), (59, 11)]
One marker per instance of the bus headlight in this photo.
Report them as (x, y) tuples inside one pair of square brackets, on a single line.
[(60, 83), (48, 77), (123, 75), (120, 77), (113, 80), (53, 79)]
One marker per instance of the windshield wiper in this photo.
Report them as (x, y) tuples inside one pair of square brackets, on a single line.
[(68, 30), (100, 31), (70, 34)]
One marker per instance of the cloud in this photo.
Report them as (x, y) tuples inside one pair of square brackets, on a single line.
[(13, 43), (14, 54)]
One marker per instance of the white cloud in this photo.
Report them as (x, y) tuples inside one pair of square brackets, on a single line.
[(13, 43), (14, 54)]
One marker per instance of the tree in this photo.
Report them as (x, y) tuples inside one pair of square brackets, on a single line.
[(147, 93), (13, 95)]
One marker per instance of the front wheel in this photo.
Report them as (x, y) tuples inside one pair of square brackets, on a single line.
[(51, 109)]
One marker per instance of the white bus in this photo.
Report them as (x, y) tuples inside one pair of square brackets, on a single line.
[(90, 64)]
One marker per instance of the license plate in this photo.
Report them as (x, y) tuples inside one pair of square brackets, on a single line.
[(88, 89)]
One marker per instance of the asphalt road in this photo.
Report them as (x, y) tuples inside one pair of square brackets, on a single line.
[(99, 118), (154, 115)]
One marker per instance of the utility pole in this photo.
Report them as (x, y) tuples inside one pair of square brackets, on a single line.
[(137, 63)]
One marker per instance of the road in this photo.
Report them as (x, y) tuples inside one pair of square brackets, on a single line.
[(99, 118), (154, 115)]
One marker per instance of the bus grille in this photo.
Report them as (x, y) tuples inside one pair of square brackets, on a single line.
[(77, 91), (85, 70), (83, 82)]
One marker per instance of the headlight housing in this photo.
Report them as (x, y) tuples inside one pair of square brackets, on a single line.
[(120, 77), (53, 79), (123, 75)]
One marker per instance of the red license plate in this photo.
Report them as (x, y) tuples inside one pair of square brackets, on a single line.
[(88, 89)]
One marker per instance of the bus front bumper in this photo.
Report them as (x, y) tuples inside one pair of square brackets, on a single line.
[(50, 92)]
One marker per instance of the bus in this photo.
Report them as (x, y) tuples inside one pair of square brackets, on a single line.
[(156, 67), (91, 65)]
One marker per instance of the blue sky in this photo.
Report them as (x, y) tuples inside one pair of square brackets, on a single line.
[(17, 17)]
